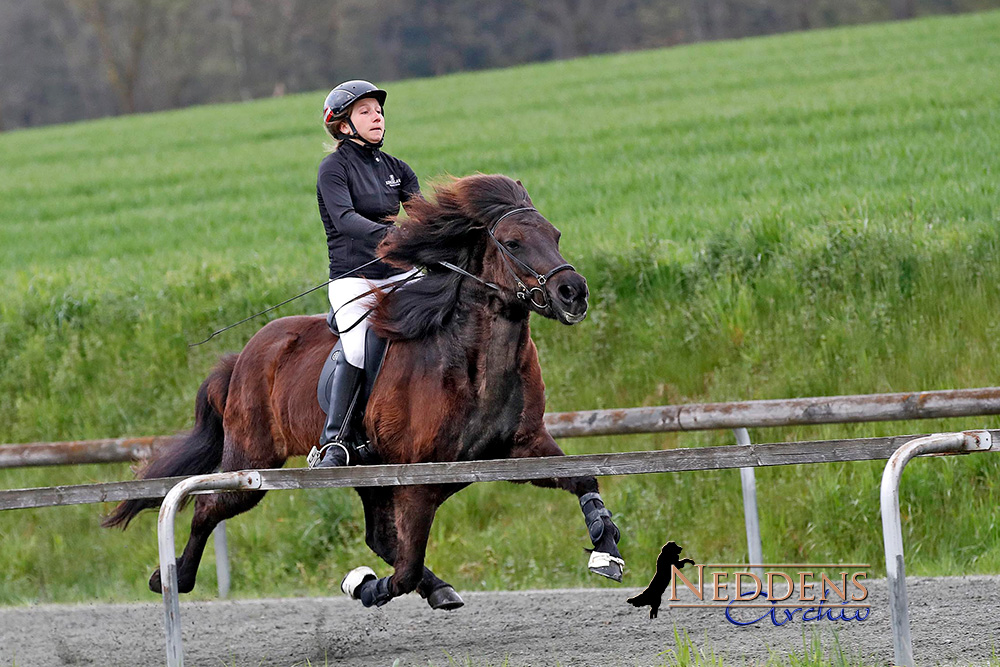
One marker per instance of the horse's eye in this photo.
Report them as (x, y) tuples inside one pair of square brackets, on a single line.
[(512, 245)]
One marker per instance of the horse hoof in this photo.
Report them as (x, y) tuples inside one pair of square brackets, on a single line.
[(352, 582), (445, 598), (154, 582), (606, 565)]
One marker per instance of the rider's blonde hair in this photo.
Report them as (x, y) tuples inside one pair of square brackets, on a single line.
[(332, 126)]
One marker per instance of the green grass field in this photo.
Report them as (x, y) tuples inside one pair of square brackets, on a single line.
[(802, 215)]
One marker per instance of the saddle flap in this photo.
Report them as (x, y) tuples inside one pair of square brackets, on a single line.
[(326, 376)]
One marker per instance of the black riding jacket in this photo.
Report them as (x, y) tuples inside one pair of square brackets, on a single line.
[(357, 189)]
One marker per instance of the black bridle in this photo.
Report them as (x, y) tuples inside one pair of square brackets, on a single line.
[(523, 292)]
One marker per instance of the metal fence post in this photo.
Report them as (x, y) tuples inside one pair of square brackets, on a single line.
[(892, 531), (755, 552), (167, 547), (222, 559)]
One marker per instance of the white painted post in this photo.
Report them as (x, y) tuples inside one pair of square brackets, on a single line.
[(222, 559), (892, 531), (755, 552), (167, 548)]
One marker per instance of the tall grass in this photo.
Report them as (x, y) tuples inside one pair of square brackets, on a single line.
[(808, 214)]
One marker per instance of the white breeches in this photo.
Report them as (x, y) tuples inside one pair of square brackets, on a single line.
[(348, 312)]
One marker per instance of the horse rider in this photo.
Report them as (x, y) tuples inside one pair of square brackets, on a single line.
[(358, 187)]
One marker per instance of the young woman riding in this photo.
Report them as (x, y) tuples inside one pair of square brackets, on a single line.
[(358, 188)]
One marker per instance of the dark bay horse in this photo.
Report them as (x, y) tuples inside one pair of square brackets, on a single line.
[(460, 381)]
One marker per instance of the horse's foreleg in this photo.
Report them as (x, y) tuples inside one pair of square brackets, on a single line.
[(380, 536), (413, 514), (605, 560)]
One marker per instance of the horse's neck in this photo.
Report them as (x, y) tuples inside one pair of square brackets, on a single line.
[(487, 368), (494, 346)]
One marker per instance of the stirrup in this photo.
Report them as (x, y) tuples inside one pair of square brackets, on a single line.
[(316, 454)]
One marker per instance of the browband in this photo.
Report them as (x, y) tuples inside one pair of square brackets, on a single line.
[(511, 212)]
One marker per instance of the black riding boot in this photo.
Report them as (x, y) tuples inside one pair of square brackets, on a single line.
[(333, 451)]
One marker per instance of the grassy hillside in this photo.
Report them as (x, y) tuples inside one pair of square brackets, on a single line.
[(800, 215)]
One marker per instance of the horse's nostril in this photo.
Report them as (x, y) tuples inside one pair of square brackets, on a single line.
[(567, 293)]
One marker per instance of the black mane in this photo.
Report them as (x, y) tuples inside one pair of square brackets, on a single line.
[(451, 228)]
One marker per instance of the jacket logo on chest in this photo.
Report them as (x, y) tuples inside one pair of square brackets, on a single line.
[(393, 182)]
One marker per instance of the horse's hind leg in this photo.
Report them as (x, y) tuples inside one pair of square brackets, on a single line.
[(209, 511), (380, 535), (605, 560)]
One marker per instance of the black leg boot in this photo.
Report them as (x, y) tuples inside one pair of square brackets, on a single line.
[(332, 450)]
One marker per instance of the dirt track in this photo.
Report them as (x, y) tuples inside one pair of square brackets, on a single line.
[(954, 621)]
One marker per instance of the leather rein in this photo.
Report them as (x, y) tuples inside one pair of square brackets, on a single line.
[(523, 292)]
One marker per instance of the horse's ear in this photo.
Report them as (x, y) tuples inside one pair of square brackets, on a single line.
[(524, 191)]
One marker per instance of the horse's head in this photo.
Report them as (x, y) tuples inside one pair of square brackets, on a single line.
[(523, 255), (483, 227)]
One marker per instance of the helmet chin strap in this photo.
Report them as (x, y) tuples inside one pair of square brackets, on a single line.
[(357, 135)]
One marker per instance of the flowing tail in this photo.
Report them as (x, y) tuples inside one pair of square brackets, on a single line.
[(196, 453)]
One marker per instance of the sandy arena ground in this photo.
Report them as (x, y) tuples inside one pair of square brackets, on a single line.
[(955, 620)]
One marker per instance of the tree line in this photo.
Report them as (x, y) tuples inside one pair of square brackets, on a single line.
[(65, 60)]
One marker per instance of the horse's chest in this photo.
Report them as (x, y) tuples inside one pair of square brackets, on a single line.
[(494, 417)]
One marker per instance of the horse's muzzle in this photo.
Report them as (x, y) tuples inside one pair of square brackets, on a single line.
[(568, 294)]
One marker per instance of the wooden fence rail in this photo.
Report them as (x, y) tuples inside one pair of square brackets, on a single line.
[(462, 472), (660, 419)]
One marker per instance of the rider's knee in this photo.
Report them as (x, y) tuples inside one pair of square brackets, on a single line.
[(354, 348)]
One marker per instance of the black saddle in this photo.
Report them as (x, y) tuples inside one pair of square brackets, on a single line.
[(375, 350)]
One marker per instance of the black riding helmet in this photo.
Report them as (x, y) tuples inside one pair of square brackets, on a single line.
[(340, 100)]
